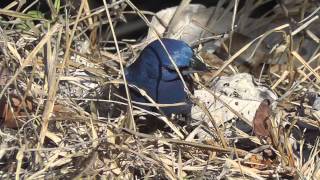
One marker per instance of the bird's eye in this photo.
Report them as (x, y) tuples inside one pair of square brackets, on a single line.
[(173, 70), (169, 69)]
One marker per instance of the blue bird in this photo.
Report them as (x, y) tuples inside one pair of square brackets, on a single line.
[(154, 73)]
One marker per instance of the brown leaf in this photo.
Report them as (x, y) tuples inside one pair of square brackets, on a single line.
[(4, 75), (61, 111), (258, 162), (9, 116), (214, 63), (244, 59), (261, 118)]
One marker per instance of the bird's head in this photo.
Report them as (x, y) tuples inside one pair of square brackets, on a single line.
[(181, 53)]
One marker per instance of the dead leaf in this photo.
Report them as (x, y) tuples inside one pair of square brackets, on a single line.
[(214, 63), (4, 75), (260, 124), (251, 58), (9, 115), (258, 162)]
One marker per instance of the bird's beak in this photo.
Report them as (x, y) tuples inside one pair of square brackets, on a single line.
[(196, 66)]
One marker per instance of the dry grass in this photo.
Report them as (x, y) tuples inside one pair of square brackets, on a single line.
[(57, 77)]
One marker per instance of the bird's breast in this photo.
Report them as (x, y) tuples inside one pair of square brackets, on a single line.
[(170, 92)]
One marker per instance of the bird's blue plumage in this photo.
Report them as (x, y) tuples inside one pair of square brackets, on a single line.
[(154, 73)]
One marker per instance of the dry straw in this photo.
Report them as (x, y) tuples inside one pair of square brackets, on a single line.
[(74, 128)]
